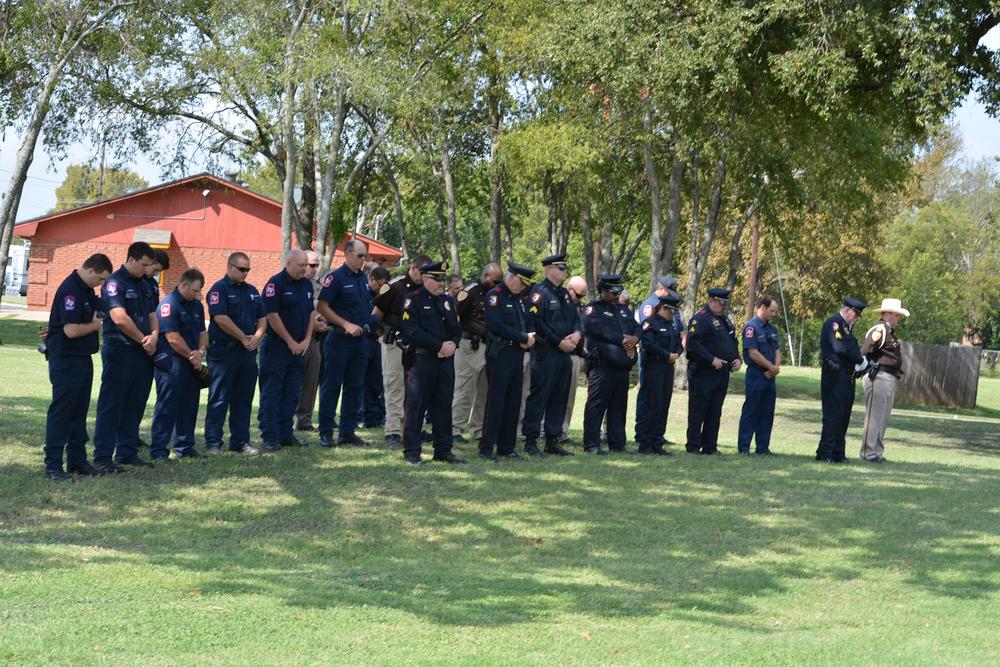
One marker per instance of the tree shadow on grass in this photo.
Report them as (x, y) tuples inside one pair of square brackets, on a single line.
[(694, 538)]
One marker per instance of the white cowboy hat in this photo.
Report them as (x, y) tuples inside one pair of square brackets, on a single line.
[(893, 306)]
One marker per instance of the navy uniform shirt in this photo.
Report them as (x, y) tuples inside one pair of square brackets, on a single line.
[(553, 313), (505, 315), (659, 338), (177, 314), (760, 336), (648, 309), (74, 303), (711, 336), (292, 300), (121, 290), (605, 324), (429, 321), (152, 292), (838, 347), (348, 295), (240, 303)]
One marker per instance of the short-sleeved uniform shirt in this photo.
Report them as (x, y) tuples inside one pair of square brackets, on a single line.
[(348, 295), (121, 290), (648, 309), (711, 336), (292, 300), (240, 303), (74, 303), (176, 314), (761, 336)]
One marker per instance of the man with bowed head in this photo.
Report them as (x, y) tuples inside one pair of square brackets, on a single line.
[(288, 302), (840, 357), (762, 355)]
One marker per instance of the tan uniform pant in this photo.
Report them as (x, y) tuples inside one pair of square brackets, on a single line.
[(394, 384), (879, 395), (470, 390), (310, 382), (577, 362), (525, 389)]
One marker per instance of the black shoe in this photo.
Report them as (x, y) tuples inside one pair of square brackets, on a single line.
[(351, 439), (711, 452), (326, 441), (109, 468), (531, 449), (764, 452), (393, 439), (513, 456), (487, 456), (619, 450), (554, 448), (85, 470), (744, 452), (416, 462), (692, 451), (143, 444), (596, 451), (449, 458), (213, 450), (293, 442), (137, 462), (660, 451), (270, 447), (426, 437), (459, 439), (245, 448), (58, 476)]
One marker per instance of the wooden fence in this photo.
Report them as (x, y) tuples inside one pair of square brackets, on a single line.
[(939, 375)]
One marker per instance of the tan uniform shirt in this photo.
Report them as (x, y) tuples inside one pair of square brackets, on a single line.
[(882, 347)]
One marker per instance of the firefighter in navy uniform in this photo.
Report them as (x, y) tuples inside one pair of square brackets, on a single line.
[(556, 323), (712, 353), (661, 346), (665, 285), (388, 306), (71, 343), (430, 326), (508, 336), (612, 345), (840, 357), (762, 356)]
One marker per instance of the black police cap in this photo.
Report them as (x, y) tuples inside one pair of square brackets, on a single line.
[(718, 293), (437, 270), (670, 299), (554, 259), (855, 304), (525, 273)]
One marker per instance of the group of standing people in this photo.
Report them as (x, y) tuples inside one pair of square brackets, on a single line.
[(479, 360)]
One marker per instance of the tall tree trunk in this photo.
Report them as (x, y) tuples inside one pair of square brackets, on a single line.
[(307, 209), (327, 191), (701, 248), (677, 167), (449, 191), (397, 203), (656, 251), (495, 105), (607, 257), (291, 160), (589, 258)]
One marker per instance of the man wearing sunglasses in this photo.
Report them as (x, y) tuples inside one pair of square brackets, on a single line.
[(713, 354), (238, 323), (557, 328)]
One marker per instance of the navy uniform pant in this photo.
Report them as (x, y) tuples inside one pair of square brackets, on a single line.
[(505, 376), (757, 417), (653, 404), (66, 423), (607, 398), (344, 361), (373, 398), (126, 379), (707, 390), (176, 411), (430, 384), (234, 380), (551, 372), (280, 382), (837, 391)]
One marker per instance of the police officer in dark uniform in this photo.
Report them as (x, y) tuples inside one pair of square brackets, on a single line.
[(508, 336), (712, 354), (840, 356), (556, 323), (468, 407), (345, 303), (179, 356), (762, 356), (612, 346), (130, 337), (388, 306), (71, 343), (664, 285), (661, 346), (288, 302), (430, 325), (238, 325)]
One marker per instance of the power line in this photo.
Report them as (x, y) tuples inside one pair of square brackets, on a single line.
[(33, 178)]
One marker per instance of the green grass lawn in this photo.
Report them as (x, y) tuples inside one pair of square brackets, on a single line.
[(349, 556)]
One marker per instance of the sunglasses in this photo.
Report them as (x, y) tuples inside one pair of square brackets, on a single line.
[(561, 266), (314, 266), (360, 255), (241, 269)]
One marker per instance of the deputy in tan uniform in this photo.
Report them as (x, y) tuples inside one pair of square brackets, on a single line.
[(313, 356), (388, 306), (883, 354), (577, 288), (468, 406)]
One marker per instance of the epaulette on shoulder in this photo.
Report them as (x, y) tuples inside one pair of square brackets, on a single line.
[(397, 279), (468, 288)]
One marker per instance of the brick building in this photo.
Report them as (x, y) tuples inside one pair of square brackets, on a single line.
[(198, 220)]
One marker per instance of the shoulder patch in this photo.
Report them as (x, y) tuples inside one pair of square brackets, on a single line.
[(493, 299), (384, 288), (447, 304), (647, 310), (165, 309), (112, 287), (269, 289), (406, 304), (748, 331), (588, 310), (646, 326), (462, 296), (69, 303), (213, 299), (536, 297), (328, 280)]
